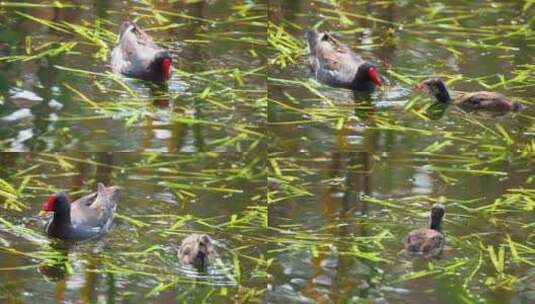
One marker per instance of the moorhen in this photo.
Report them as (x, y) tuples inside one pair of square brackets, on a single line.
[(137, 56), (196, 250), (484, 101), (427, 242), (335, 64), (85, 218)]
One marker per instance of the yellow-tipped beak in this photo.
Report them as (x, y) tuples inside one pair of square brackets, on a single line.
[(42, 213)]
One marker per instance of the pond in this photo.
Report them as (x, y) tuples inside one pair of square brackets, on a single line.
[(163, 199), (58, 94), (306, 190), (351, 173)]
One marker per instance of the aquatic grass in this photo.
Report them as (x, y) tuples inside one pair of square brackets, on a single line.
[(12, 195), (55, 4), (95, 36), (240, 263), (83, 97), (22, 232), (319, 241), (220, 103), (317, 199), (63, 47), (287, 47), (343, 16)]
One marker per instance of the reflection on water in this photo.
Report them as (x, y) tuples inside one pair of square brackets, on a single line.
[(352, 174), (164, 198), (57, 96), (342, 241)]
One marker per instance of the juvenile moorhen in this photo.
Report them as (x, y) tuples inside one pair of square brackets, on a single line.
[(137, 56), (430, 241), (484, 101), (335, 64), (196, 250), (87, 217)]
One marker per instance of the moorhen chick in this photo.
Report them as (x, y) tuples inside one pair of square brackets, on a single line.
[(484, 101), (137, 56), (335, 64), (430, 241), (85, 218), (196, 250)]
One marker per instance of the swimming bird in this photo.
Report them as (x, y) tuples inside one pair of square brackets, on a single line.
[(335, 64), (85, 218), (427, 241), (196, 250), (137, 56), (475, 101)]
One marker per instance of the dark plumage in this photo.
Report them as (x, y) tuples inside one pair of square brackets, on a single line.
[(484, 101), (87, 217), (137, 56), (335, 64), (196, 250), (427, 241)]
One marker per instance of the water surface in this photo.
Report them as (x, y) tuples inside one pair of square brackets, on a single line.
[(163, 199), (57, 93), (351, 174)]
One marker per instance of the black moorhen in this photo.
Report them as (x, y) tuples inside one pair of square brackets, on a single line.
[(484, 101), (335, 64), (430, 241), (87, 217), (137, 56), (196, 250)]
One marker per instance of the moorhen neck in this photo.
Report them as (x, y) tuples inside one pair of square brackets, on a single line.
[(483, 101), (335, 64), (87, 217), (427, 241), (435, 220), (196, 250), (137, 56)]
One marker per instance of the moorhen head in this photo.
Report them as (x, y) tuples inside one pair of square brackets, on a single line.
[(335, 64), (435, 87), (137, 56), (475, 101), (430, 241), (87, 217), (196, 250), (435, 220)]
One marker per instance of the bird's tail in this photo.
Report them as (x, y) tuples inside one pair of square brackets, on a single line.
[(312, 38), (125, 26), (108, 195)]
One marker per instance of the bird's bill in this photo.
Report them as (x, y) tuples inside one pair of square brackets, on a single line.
[(422, 87), (374, 76), (42, 213)]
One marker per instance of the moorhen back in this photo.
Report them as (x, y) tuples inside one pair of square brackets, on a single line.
[(427, 242), (196, 250), (85, 218), (137, 56), (335, 64)]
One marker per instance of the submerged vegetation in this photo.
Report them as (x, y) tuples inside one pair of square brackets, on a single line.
[(164, 198), (217, 91), (370, 166), (306, 190)]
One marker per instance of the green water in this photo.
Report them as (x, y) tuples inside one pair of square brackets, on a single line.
[(307, 190), (218, 47), (163, 199), (351, 174)]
